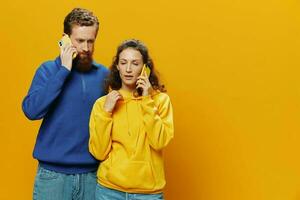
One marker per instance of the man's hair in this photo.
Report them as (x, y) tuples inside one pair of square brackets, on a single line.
[(80, 17)]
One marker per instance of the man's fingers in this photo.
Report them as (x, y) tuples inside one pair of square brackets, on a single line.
[(65, 47)]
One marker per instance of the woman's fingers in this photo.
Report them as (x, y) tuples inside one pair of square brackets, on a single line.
[(140, 81), (115, 95), (111, 100), (144, 83)]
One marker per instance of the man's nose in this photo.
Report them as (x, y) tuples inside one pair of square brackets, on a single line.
[(85, 46)]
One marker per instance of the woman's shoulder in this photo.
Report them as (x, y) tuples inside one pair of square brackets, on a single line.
[(101, 100), (161, 96)]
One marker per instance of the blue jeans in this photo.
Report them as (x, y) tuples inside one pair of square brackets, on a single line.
[(50, 185), (103, 193)]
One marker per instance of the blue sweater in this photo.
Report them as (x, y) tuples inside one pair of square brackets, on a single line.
[(64, 100)]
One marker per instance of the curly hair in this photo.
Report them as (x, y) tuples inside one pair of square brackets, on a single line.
[(81, 17), (114, 81)]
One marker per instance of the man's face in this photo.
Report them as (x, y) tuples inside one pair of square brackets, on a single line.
[(83, 38)]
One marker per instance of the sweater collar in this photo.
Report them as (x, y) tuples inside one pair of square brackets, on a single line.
[(127, 95)]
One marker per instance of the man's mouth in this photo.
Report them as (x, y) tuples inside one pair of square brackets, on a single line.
[(84, 55)]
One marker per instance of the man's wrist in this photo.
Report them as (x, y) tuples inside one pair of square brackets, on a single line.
[(68, 68)]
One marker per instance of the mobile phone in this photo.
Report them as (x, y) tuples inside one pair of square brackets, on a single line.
[(146, 68), (64, 41)]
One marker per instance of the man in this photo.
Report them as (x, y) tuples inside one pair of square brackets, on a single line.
[(62, 93)]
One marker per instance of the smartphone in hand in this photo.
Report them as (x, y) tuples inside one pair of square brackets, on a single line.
[(146, 69), (64, 41)]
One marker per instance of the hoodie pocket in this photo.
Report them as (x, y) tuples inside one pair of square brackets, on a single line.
[(132, 175)]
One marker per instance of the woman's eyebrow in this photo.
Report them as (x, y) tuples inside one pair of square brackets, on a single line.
[(133, 60)]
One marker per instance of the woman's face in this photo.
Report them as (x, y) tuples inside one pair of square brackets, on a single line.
[(130, 66)]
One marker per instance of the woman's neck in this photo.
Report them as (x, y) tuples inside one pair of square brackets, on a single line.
[(128, 89)]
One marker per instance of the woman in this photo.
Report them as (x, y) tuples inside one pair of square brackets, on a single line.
[(128, 132)]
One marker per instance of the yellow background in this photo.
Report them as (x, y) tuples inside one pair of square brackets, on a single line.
[(231, 68)]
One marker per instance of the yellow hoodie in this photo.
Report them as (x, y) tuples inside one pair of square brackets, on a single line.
[(130, 142)]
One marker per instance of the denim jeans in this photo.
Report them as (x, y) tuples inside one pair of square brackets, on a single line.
[(103, 193), (50, 185)]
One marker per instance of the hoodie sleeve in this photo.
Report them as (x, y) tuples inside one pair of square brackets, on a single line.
[(100, 131), (158, 120), (45, 87)]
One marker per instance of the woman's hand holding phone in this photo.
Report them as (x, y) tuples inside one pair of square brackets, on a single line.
[(144, 83)]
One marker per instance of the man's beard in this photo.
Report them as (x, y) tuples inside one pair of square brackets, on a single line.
[(83, 63)]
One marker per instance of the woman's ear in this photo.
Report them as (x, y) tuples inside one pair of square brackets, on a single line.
[(118, 67)]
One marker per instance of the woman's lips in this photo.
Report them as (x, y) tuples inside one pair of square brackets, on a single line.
[(128, 77)]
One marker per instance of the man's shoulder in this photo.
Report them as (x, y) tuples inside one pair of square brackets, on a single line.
[(55, 61), (101, 67), (49, 66)]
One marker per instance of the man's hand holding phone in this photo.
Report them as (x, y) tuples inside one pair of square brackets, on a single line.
[(67, 52)]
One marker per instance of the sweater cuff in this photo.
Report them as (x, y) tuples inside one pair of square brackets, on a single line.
[(59, 79), (106, 114), (63, 73), (102, 113)]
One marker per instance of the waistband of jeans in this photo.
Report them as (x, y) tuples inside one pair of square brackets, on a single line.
[(69, 169)]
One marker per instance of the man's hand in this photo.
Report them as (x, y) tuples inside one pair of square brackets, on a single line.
[(66, 55)]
